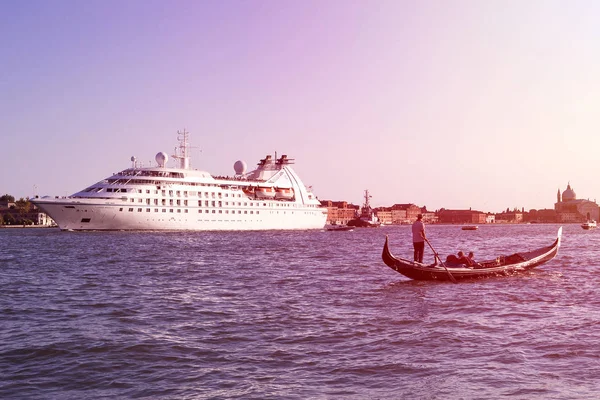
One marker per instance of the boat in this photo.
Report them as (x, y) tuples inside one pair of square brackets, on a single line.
[(470, 228), (264, 192), (284, 193), (444, 271), (339, 228), (158, 197), (589, 225), (367, 217)]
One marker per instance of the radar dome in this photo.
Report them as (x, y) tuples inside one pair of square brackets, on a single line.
[(239, 167), (161, 158), (133, 158)]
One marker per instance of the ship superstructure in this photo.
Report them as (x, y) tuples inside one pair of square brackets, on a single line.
[(272, 196), (367, 216)]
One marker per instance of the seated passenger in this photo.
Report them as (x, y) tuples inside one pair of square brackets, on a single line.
[(473, 262), (460, 259), (452, 259), (463, 259)]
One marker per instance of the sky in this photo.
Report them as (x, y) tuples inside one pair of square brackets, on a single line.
[(482, 104)]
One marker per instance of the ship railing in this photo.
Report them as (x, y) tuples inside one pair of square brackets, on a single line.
[(137, 173)]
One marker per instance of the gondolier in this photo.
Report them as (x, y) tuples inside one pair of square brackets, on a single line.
[(418, 233)]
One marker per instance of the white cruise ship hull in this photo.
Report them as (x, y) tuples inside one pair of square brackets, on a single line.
[(70, 214)]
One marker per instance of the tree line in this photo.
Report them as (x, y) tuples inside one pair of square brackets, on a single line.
[(18, 212)]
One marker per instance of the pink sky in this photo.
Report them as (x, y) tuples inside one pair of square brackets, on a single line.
[(456, 104)]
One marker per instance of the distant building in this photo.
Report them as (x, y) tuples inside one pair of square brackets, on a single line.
[(44, 219), (339, 212), (405, 213), (570, 209), (544, 215), (429, 217), (399, 216), (5, 204), (384, 214), (510, 217), (461, 216)]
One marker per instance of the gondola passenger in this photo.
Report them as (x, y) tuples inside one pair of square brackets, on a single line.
[(460, 259), (474, 263)]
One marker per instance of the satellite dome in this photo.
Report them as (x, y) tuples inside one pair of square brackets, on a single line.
[(569, 194), (239, 167), (133, 159), (161, 158)]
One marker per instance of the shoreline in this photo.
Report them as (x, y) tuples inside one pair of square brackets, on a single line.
[(27, 226)]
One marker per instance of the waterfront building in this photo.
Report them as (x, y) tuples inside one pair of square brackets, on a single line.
[(384, 214), (340, 212), (548, 215), (461, 216), (405, 213), (510, 217), (429, 217), (398, 216), (571, 209)]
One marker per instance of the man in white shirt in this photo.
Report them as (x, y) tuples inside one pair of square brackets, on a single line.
[(418, 233)]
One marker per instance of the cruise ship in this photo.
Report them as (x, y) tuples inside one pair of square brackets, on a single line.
[(270, 197)]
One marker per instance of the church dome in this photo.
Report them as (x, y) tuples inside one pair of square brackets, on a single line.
[(568, 194)]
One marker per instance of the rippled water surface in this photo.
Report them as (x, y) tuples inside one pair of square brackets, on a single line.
[(294, 315)]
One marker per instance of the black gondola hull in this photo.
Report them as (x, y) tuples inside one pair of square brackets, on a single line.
[(503, 266)]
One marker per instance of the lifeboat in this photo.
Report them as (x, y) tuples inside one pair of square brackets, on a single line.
[(284, 193), (263, 192)]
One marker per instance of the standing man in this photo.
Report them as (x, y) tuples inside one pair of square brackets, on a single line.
[(418, 233)]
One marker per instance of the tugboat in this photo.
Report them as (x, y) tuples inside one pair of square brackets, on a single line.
[(367, 217)]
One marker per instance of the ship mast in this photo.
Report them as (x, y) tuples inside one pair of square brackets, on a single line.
[(182, 152), (367, 197)]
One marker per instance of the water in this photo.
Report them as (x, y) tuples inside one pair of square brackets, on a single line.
[(294, 315)]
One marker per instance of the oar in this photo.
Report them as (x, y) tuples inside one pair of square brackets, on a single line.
[(442, 264)]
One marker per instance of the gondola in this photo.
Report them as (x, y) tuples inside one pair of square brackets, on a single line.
[(443, 271)]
